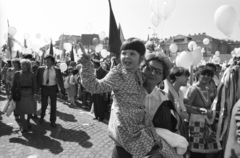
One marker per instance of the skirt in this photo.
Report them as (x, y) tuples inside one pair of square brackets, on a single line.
[(26, 105), (72, 90)]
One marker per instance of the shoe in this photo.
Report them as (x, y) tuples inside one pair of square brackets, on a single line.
[(53, 125), (95, 118), (100, 119), (41, 120)]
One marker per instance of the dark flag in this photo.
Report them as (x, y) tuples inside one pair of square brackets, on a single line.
[(25, 43), (62, 56), (114, 35), (72, 54), (121, 34), (51, 48)]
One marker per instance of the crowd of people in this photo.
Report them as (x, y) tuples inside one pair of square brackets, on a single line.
[(154, 110)]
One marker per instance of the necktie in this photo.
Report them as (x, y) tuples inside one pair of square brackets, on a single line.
[(47, 82)]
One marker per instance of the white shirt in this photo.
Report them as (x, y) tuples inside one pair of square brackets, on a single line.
[(153, 100), (52, 77)]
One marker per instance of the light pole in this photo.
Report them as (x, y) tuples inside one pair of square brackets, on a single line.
[(154, 34)]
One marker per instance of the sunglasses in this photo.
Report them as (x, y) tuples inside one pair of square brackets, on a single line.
[(156, 70)]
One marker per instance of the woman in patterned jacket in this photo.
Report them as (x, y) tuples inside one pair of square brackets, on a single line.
[(130, 125)]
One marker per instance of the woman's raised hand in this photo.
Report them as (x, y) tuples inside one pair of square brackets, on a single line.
[(84, 58)]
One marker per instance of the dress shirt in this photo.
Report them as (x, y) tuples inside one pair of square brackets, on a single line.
[(52, 77)]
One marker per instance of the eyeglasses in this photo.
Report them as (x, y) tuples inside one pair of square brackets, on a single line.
[(156, 70)]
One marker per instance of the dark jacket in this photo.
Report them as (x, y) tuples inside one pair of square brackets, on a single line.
[(39, 76), (101, 73)]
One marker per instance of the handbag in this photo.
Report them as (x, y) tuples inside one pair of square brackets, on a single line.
[(201, 137), (16, 95)]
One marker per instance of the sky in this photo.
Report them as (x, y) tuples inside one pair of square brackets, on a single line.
[(51, 18)]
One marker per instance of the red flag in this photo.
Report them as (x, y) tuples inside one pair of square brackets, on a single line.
[(51, 49), (72, 54), (114, 36), (121, 34)]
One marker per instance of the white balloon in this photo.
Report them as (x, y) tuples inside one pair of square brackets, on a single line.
[(169, 8), (67, 46), (225, 19), (47, 39), (104, 53), (217, 53), (38, 35), (157, 7), (101, 35), (26, 36), (192, 45), (197, 56), (63, 67), (237, 52), (155, 20), (12, 31), (86, 50), (98, 48), (40, 53), (206, 41), (173, 48), (184, 59)]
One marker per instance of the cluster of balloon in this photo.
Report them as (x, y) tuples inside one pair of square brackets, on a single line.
[(63, 67), (206, 41), (104, 53), (38, 35), (12, 31), (102, 35), (162, 9), (67, 46), (95, 41), (26, 36), (184, 59), (98, 48), (225, 19)]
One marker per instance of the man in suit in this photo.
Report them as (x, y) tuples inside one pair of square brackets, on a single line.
[(99, 100), (49, 79)]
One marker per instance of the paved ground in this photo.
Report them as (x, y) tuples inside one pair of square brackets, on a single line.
[(76, 136)]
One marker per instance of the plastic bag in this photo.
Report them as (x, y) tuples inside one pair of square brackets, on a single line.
[(5, 107), (11, 108)]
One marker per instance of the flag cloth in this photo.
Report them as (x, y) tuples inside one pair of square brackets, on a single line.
[(25, 43), (51, 49), (62, 55), (121, 34), (72, 54), (114, 36), (9, 43)]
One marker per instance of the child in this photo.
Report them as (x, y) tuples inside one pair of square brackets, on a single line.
[(73, 87), (129, 125)]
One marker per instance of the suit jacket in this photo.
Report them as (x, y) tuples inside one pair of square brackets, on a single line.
[(101, 73), (39, 77)]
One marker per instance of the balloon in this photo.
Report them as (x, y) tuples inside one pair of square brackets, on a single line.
[(185, 59), (237, 52), (192, 45), (104, 53), (47, 39), (67, 46), (155, 20), (12, 31), (26, 36), (86, 50), (206, 41), (216, 59), (63, 67), (89, 27), (217, 53), (5, 36), (98, 48), (101, 35), (40, 53), (173, 48), (225, 19), (203, 50), (168, 8), (157, 6), (197, 56), (38, 35), (95, 41)]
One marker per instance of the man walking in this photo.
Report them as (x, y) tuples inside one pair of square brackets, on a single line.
[(49, 79)]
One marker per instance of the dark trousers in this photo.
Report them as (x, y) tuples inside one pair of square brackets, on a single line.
[(99, 106), (49, 91), (198, 155), (86, 95)]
